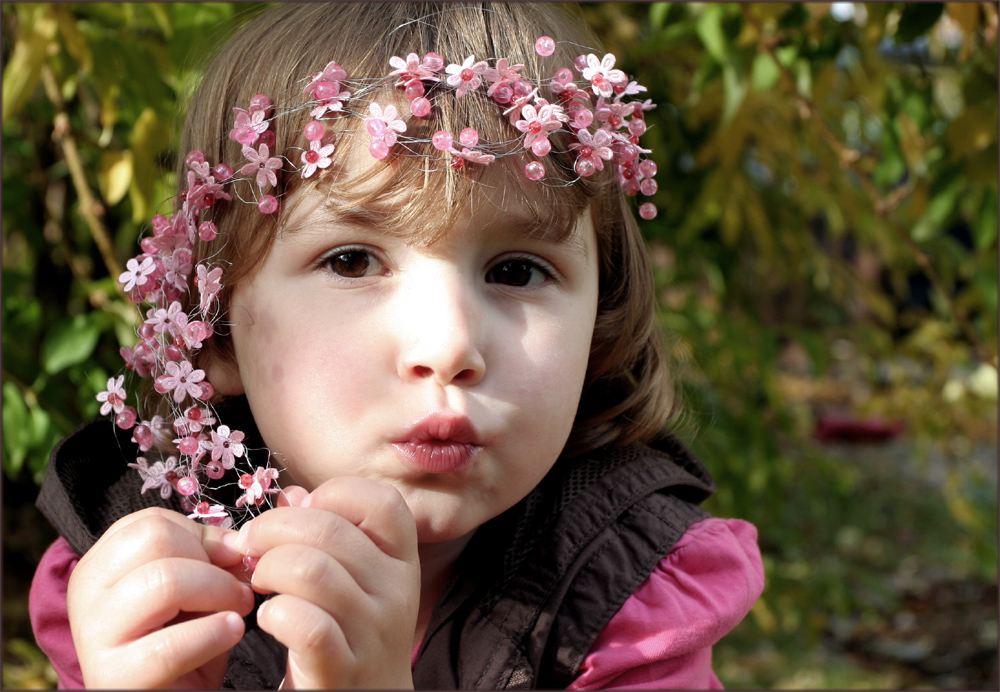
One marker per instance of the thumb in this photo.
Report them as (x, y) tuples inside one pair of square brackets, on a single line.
[(292, 496)]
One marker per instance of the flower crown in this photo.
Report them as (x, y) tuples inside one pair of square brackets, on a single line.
[(602, 126)]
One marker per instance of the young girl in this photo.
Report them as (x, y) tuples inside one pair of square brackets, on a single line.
[(404, 258)]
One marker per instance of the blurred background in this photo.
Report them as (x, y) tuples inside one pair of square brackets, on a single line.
[(826, 263)]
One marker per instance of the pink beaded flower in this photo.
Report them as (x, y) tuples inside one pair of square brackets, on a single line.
[(602, 76), (226, 445), (161, 474), (537, 123), (382, 127), (413, 69), (113, 399), (263, 164), (249, 127), (466, 76), (256, 486), (315, 157)]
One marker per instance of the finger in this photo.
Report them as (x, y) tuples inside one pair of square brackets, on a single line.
[(314, 576), (318, 528), (292, 496), (158, 591), (153, 533), (184, 647), (315, 640), (377, 508)]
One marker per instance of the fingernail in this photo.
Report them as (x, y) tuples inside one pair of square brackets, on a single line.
[(235, 623), (241, 538), (230, 539)]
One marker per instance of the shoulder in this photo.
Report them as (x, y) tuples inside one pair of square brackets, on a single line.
[(662, 635), (49, 616)]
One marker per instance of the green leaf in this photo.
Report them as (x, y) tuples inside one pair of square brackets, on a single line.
[(917, 18), (69, 343), (764, 73), (734, 86), (709, 28), (24, 68), (16, 430), (658, 14)]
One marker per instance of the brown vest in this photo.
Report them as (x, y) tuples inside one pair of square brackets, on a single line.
[(531, 592)]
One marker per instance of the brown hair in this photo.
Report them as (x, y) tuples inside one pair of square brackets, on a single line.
[(627, 394)]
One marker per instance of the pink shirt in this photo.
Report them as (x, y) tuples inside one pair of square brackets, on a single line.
[(661, 638)]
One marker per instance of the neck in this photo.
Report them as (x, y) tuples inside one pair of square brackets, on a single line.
[(436, 563)]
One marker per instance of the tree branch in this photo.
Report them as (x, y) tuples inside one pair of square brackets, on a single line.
[(884, 206)]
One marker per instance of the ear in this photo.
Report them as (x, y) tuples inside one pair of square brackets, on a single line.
[(224, 374)]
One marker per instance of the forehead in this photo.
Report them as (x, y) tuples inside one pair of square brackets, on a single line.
[(412, 200)]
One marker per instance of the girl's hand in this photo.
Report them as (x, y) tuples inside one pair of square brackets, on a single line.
[(344, 566), (156, 603)]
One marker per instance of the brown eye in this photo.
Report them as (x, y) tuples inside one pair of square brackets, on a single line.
[(516, 272), (352, 264)]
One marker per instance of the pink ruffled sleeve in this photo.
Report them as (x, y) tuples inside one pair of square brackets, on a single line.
[(49, 616), (662, 636)]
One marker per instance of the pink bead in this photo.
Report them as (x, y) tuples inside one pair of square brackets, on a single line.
[(214, 470), (222, 172), (174, 353), (647, 211), (194, 156), (647, 167), (584, 117), (187, 504), (126, 419), (442, 140), (314, 131), (584, 168), (143, 436), (433, 62), (146, 332), (259, 102), (580, 62), (326, 90), (541, 147), (187, 486), (207, 391), (250, 563), (189, 445), (564, 76), (414, 89), (268, 139), (378, 148), (503, 94), (534, 171), (267, 204), (420, 107), (468, 137), (207, 231), (522, 88), (648, 187), (637, 127), (375, 127), (545, 46)]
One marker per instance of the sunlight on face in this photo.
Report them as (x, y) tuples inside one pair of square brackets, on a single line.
[(452, 371)]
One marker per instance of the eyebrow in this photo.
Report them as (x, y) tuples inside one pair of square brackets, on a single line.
[(378, 219)]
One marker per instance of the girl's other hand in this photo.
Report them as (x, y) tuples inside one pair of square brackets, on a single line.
[(343, 563), (156, 603)]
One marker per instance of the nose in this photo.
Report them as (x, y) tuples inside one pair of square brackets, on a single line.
[(441, 330)]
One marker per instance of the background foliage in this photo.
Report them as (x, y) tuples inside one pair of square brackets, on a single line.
[(826, 261)]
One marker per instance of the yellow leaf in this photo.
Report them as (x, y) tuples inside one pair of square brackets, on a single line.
[(73, 39), (24, 69), (146, 141), (115, 175), (911, 141)]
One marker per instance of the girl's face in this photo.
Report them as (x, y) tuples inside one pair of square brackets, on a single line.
[(452, 372)]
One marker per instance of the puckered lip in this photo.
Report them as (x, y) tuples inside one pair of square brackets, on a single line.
[(442, 427)]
